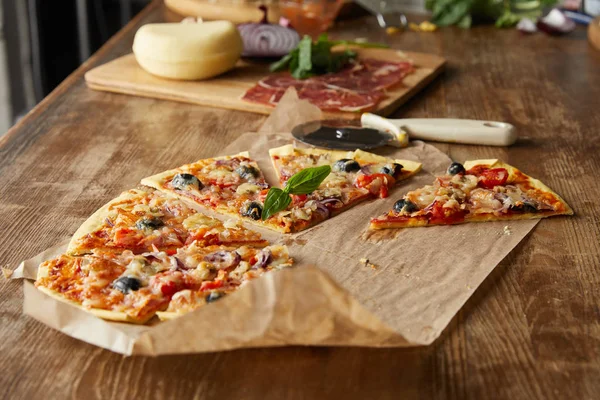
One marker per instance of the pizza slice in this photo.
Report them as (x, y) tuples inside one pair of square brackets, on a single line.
[(132, 287), (481, 190), (231, 185), (250, 263), (145, 219), (355, 176)]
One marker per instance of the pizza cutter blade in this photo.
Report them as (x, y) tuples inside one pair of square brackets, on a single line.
[(375, 131)]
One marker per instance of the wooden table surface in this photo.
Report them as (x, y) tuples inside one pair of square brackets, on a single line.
[(530, 331)]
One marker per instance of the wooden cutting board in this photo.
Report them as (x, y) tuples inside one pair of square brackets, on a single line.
[(124, 75)]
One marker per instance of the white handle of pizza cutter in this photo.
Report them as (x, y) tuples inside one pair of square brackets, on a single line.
[(467, 131)]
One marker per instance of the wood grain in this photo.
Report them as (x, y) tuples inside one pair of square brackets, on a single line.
[(531, 331), (124, 75)]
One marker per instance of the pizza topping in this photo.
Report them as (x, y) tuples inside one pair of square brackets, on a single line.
[(263, 258), (456, 168), (214, 296), (393, 169), (125, 284), (405, 206), (346, 165), (493, 177), (185, 181), (223, 259), (252, 210), (248, 188), (150, 223), (247, 172)]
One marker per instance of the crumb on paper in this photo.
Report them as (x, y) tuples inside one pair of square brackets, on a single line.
[(507, 230), (366, 263), (7, 272)]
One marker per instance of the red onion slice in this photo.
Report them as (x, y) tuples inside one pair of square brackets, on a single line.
[(267, 40), (223, 259), (556, 23), (263, 258)]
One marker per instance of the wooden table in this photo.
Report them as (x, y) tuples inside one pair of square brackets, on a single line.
[(530, 331)]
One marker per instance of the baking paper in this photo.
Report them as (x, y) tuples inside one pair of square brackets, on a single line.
[(413, 284)]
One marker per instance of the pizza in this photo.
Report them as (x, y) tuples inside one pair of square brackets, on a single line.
[(145, 219), (359, 87), (481, 190), (251, 264), (132, 287), (355, 177)]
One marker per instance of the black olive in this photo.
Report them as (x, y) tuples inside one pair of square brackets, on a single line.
[(346, 165), (391, 169), (127, 283), (247, 172), (183, 181), (525, 207), (406, 206), (456, 168), (252, 210), (213, 296), (149, 223)]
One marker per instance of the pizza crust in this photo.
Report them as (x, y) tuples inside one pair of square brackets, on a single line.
[(97, 220), (167, 315)]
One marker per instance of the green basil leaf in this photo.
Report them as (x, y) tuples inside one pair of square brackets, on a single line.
[(283, 62), (305, 53), (277, 200), (307, 180)]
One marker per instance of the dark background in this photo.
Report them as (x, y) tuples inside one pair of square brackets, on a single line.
[(47, 40)]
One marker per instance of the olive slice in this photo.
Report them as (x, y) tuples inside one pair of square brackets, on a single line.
[(126, 284), (346, 165), (456, 168), (391, 169), (247, 172), (184, 181), (252, 210), (214, 296), (151, 223), (404, 205)]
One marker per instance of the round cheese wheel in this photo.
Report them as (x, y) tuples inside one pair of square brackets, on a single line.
[(188, 51)]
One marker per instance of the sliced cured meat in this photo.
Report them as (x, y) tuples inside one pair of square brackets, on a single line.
[(281, 81), (358, 87), (342, 100), (263, 95)]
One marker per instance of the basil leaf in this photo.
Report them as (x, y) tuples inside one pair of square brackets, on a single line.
[(283, 63), (307, 180), (277, 200)]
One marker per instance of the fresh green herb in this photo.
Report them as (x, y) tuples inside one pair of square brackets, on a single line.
[(316, 58), (304, 182), (505, 13)]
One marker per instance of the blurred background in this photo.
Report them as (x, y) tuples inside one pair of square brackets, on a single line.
[(42, 42)]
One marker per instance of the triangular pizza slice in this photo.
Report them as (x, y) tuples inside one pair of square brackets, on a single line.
[(355, 176), (146, 219), (481, 190), (231, 185), (132, 287)]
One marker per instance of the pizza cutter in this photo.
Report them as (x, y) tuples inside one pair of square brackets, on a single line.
[(375, 131)]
